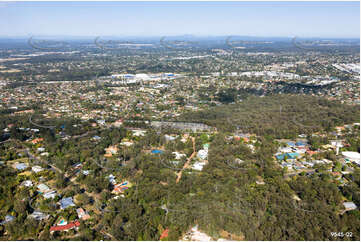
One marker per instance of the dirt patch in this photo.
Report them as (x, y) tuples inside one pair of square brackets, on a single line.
[(226, 235)]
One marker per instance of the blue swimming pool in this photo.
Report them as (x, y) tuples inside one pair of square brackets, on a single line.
[(157, 151)]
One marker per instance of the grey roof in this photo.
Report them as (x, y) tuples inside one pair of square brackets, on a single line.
[(66, 202), (39, 215), (42, 187), (8, 218), (349, 205), (50, 194), (21, 166)]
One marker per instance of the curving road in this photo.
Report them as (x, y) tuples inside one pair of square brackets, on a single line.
[(38, 125)]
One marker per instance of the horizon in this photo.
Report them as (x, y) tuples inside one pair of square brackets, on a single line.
[(337, 20), (86, 37)]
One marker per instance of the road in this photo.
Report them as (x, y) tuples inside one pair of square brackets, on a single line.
[(38, 125), (186, 165), (83, 135), (32, 157), (8, 140)]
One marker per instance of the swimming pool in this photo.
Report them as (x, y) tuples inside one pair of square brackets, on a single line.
[(157, 151)]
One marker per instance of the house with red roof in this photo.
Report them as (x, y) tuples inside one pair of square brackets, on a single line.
[(71, 225), (311, 152), (37, 140), (120, 188), (164, 234)]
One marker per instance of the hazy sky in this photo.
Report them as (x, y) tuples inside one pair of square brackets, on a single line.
[(303, 19)]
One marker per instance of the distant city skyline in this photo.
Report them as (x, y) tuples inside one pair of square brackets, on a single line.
[(264, 19)]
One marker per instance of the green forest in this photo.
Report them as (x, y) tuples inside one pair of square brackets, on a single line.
[(279, 116), (249, 201)]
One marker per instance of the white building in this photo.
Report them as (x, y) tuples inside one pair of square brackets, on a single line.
[(202, 154), (352, 156), (43, 188), (178, 155), (198, 166), (27, 183), (50, 194), (349, 206), (37, 215), (285, 149), (170, 137), (138, 132), (37, 169)]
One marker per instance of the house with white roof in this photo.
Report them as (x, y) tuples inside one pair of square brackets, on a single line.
[(37, 169), (202, 154), (349, 206), (27, 183)]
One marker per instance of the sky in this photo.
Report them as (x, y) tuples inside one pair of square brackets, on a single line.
[(266, 19)]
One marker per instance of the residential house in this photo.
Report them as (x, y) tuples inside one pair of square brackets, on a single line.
[(50, 194), (37, 140), (164, 234), (21, 166), (8, 219), (170, 137), (44, 154), (178, 155), (251, 147), (126, 142), (43, 188), (339, 129), (118, 123), (311, 152), (349, 206), (27, 183), (238, 161), (202, 154), (138, 132), (37, 215), (111, 150), (120, 188), (37, 169), (198, 166), (66, 227), (336, 143), (285, 149), (101, 122), (301, 144), (66, 202), (112, 179), (85, 172), (352, 156), (287, 156), (83, 215), (96, 138), (291, 143)]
